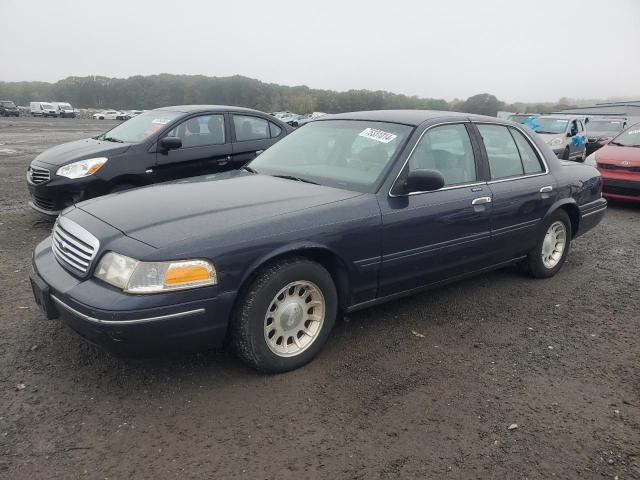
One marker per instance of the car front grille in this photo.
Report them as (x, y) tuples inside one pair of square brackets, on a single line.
[(38, 175), (44, 203), (73, 246), (610, 166)]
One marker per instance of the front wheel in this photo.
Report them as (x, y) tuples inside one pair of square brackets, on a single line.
[(549, 254), (285, 316)]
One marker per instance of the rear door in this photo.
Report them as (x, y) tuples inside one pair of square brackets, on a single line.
[(521, 186), (432, 236), (252, 135), (205, 148)]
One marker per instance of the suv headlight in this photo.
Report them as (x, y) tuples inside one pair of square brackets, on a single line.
[(591, 160), (82, 168), (556, 142), (133, 276)]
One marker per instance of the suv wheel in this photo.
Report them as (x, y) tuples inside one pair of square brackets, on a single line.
[(285, 316), (552, 247)]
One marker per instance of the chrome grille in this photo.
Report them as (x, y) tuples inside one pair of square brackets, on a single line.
[(39, 175), (73, 246)]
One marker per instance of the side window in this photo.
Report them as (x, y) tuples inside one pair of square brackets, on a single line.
[(200, 131), (530, 160), (275, 130), (447, 149), (502, 152), (250, 128)]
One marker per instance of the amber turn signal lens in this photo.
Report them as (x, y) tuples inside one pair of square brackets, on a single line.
[(180, 274)]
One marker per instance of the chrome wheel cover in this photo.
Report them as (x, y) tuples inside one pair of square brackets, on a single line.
[(294, 318), (553, 245)]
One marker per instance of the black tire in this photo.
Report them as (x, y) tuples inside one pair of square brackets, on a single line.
[(565, 154), (247, 325), (534, 264)]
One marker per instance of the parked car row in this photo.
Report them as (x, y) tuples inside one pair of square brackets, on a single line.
[(8, 109), (346, 212), (116, 114), (52, 109)]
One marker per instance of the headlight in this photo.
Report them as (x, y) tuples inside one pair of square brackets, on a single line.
[(133, 276), (556, 141), (83, 168), (591, 160)]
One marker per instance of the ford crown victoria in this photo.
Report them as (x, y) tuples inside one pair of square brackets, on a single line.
[(348, 211)]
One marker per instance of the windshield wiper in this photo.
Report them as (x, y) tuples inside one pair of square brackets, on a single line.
[(112, 139), (542, 131), (249, 169), (616, 143), (297, 179)]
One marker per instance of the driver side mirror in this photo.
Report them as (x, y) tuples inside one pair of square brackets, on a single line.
[(423, 180), (170, 143)]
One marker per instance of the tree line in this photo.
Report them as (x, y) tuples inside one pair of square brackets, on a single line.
[(147, 92)]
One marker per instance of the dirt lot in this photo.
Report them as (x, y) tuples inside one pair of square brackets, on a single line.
[(425, 387)]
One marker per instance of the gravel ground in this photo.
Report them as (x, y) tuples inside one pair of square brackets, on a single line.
[(425, 387)]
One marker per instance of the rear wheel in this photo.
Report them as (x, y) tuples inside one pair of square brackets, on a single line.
[(285, 316), (552, 247)]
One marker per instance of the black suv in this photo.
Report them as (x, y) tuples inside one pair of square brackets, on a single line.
[(8, 109), (158, 145)]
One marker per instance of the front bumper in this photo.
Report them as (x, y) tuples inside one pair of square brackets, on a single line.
[(621, 189), (117, 321), (51, 197)]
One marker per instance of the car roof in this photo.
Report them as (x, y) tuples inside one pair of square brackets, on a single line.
[(407, 117), (563, 117), (207, 108)]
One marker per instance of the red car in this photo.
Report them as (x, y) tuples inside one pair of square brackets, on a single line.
[(619, 165)]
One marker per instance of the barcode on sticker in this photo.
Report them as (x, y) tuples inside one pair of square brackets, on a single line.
[(378, 135)]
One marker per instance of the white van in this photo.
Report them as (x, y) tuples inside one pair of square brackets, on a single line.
[(43, 109), (65, 110)]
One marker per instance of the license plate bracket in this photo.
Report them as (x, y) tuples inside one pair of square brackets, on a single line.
[(42, 296)]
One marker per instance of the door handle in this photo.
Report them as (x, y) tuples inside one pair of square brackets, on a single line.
[(546, 189), (481, 200)]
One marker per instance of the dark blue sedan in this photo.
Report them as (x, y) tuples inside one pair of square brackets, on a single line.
[(347, 212)]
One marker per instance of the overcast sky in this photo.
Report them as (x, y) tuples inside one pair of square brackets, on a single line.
[(525, 50)]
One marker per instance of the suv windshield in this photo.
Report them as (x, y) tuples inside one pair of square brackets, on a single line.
[(8, 104), (347, 154), (549, 125), (628, 138), (605, 125), (141, 126)]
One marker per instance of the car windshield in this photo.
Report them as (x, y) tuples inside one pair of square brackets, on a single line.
[(605, 125), (628, 138), (47, 105), (65, 106), (549, 125), (141, 126), (347, 154), (7, 104)]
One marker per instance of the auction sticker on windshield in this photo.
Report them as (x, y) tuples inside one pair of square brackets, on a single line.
[(377, 135)]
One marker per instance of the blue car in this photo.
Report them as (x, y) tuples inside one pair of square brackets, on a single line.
[(345, 213)]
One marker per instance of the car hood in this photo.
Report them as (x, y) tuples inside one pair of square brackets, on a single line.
[(547, 137), (601, 133), (167, 213), (79, 150), (616, 155)]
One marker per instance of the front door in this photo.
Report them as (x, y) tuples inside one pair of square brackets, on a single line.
[(432, 236), (205, 148)]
